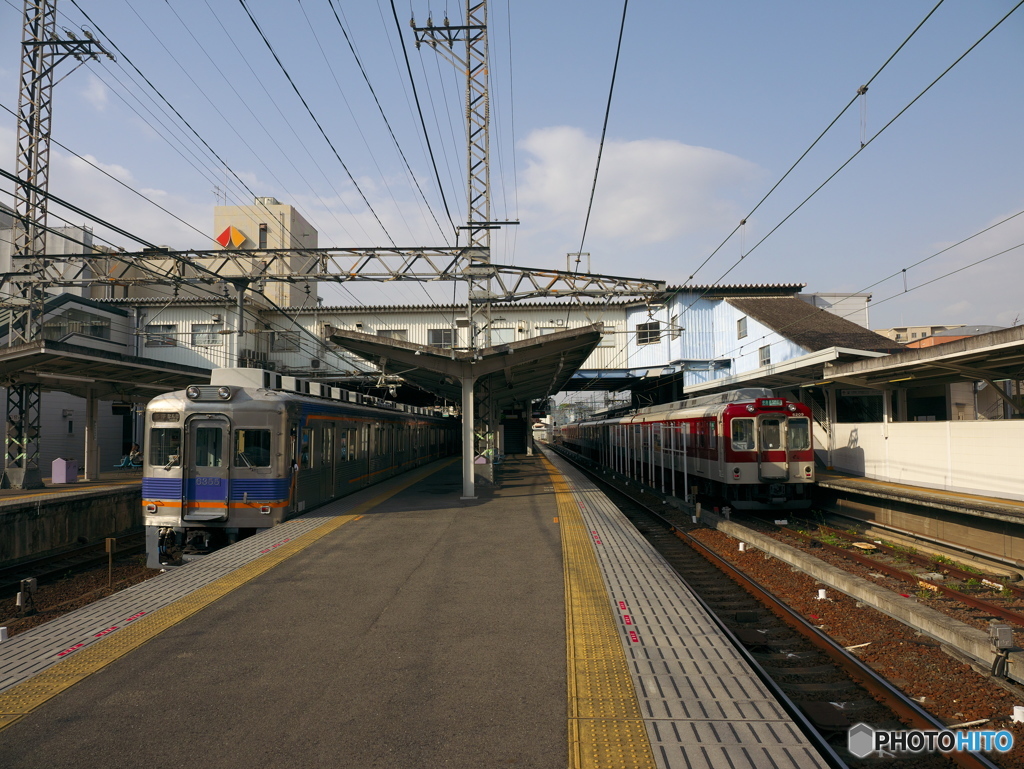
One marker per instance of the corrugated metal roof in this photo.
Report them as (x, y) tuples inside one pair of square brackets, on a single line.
[(813, 328), (719, 290)]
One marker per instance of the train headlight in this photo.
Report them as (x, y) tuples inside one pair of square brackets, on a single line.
[(150, 508), (807, 471), (751, 409), (792, 407), (224, 393), (191, 392), (736, 473)]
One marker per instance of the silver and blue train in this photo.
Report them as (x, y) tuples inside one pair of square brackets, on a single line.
[(254, 448)]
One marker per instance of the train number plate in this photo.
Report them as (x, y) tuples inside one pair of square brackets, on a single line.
[(207, 481)]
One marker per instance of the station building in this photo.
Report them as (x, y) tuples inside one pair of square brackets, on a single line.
[(693, 340)]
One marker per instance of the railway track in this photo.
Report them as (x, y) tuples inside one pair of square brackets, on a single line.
[(824, 685), (57, 566)]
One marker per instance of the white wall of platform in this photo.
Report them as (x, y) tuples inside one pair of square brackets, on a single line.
[(984, 457)]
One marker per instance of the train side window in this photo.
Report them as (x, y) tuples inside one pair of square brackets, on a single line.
[(743, 435), (306, 449), (252, 448), (164, 446), (712, 435), (798, 437), (209, 448)]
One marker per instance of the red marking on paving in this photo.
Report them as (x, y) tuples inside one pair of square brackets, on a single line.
[(622, 605), (134, 617), (629, 620), (276, 544), (597, 537), (634, 637), (904, 595), (70, 649), (105, 632)]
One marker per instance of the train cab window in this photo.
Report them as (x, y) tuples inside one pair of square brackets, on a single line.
[(306, 449), (165, 446), (743, 435), (798, 436), (209, 451), (771, 434), (252, 448)]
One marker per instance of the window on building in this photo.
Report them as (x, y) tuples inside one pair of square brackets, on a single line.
[(607, 339), (284, 341), (741, 327), (648, 333), (161, 335), (441, 337), (502, 336), (207, 334), (764, 355), (263, 235), (76, 322), (545, 330), (400, 334)]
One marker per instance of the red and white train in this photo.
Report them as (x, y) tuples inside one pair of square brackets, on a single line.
[(746, 448)]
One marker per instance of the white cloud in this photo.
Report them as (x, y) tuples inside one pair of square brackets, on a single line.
[(649, 190), (96, 93)]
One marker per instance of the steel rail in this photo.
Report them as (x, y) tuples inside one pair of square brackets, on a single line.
[(880, 688), (892, 571), (920, 560)]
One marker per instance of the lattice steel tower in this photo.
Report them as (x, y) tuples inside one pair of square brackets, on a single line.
[(41, 52)]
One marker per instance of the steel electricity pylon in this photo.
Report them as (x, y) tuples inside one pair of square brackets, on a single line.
[(41, 52)]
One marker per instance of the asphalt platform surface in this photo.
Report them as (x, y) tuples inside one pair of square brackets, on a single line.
[(429, 633)]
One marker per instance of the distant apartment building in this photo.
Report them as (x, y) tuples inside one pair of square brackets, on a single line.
[(905, 334)]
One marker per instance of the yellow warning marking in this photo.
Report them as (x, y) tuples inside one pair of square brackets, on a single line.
[(20, 700), (357, 518), (606, 728), (556, 519)]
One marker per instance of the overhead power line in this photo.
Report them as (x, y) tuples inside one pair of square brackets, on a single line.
[(423, 124), (312, 115)]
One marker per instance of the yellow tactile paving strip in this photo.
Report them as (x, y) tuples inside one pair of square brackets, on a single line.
[(21, 699), (606, 728)]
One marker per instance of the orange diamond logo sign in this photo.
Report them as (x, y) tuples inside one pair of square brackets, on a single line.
[(232, 236)]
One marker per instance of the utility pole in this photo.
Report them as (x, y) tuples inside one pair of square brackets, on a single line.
[(41, 52)]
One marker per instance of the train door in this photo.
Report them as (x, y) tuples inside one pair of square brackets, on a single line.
[(205, 468), (327, 463), (771, 453)]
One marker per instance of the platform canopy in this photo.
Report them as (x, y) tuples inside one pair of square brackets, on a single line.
[(517, 372), (987, 357), (82, 371)]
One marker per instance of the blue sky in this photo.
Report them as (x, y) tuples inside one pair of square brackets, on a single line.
[(713, 102)]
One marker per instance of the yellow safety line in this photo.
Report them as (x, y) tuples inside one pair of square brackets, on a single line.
[(20, 700), (606, 728)]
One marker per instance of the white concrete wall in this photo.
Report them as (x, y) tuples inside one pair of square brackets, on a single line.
[(984, 457)]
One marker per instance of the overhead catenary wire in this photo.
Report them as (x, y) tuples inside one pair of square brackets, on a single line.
[(380, 108), (423, 124), (316, 121), (860, 149), (806, 152)]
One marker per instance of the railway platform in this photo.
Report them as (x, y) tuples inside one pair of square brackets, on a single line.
[(403, 626), (999, 508)]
